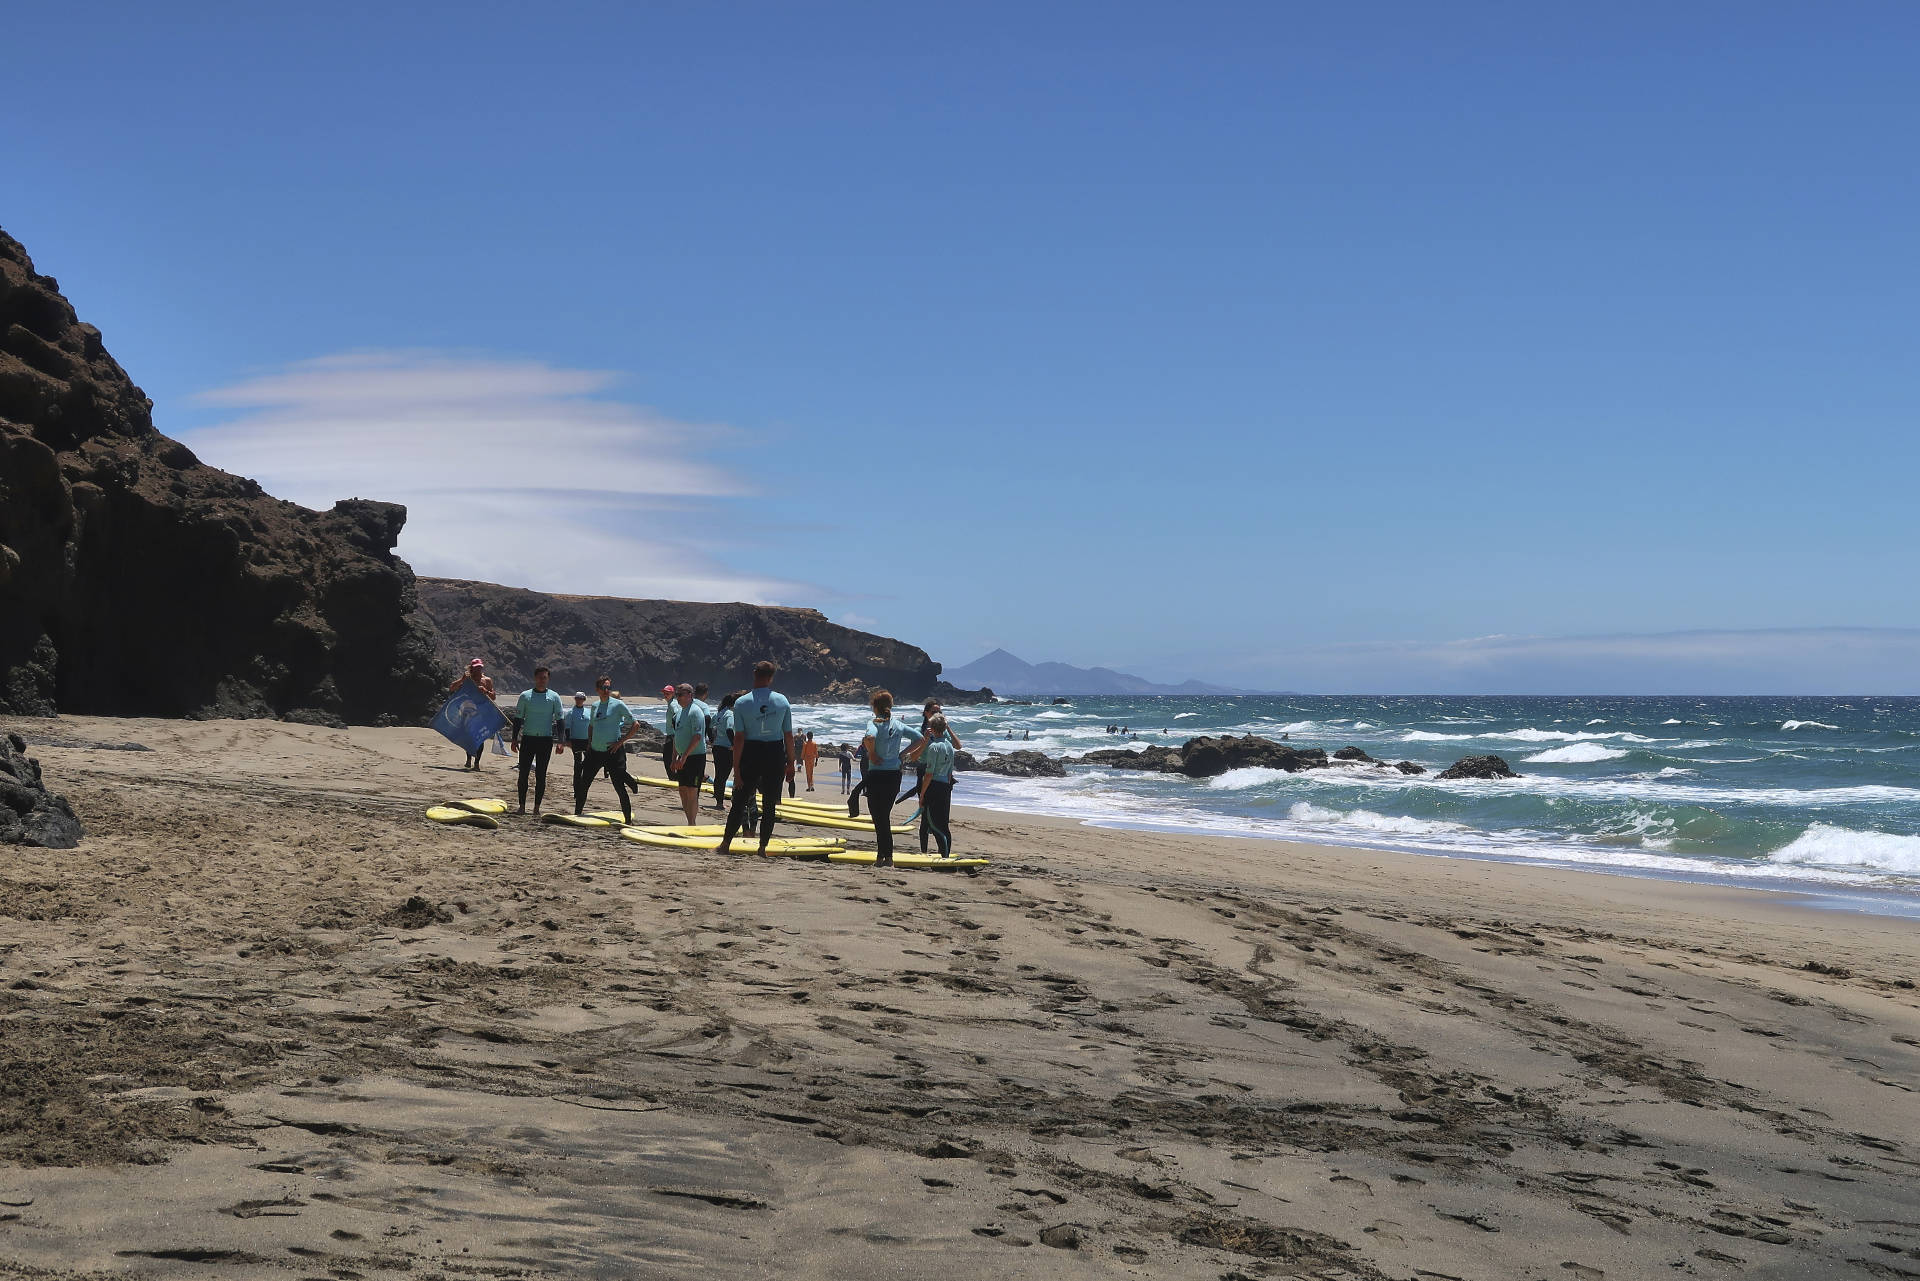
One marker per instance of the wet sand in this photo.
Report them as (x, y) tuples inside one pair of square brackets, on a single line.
[(268, 1021)]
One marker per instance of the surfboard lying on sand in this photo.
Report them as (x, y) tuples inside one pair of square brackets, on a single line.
[(578, 820), (838, 821), (927, 862), (778, 846), (488, 805), (451, 814)]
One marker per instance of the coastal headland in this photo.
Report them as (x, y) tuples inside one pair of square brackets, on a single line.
[(266, 1021)]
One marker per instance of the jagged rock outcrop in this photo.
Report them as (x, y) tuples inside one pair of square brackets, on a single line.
[(1161, 760), (951, 695), (134, 580), (1207, 757), (1021, 764), (1477, 767), (1408, 767), (643, 644), (29, 813), (1354, 754)]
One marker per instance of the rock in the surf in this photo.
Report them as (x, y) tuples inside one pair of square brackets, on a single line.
[(1354, 754), (1207, 757), (29, 813), (1408, 767), (950, 695), (1477, 767), (1156, 760), (1022, 764)]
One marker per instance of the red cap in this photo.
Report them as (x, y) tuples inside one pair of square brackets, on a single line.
[(666, 689), (476, 663)]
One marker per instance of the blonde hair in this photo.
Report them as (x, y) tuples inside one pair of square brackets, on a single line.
[(881, 702), (936, 726)]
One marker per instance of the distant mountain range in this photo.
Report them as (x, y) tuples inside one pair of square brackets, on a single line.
[(1006, 674)]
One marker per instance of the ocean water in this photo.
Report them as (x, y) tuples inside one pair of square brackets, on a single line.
[(1786, 792)]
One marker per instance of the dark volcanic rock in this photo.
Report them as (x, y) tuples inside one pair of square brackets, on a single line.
[(643, 644), (1354, 754), (136, 581), (1478, 767), (1408, 767), (1207, 757), (953, 696), (29, 813), (1022, 764), (1163, 760)]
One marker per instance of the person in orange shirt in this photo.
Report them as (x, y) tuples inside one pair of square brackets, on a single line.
[(809, 753)]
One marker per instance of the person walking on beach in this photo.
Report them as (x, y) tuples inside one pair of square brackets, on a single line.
[(722, 730), (845, 758), (762, 752), (611, 724), (537, 719), (809, 754), (690, 752), (669, 695), (936, 786), (477, 674), (579, 726), (887, 742)]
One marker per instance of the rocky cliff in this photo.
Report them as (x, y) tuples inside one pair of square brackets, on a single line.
[(643, 644), (135, 579)]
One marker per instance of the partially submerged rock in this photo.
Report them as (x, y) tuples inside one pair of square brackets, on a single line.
[(1477, 767), (29, 813), (1022, 764), (1208, 757)]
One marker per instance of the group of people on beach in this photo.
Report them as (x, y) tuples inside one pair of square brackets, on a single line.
[(750, 739)]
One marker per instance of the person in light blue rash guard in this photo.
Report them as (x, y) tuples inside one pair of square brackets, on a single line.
[(579, 727), (610, 724), (722, 727), (888, 742), (936, 786), (689, 763), (536, 718), (762, 754)]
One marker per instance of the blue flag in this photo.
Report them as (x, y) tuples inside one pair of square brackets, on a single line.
[(469, 718)]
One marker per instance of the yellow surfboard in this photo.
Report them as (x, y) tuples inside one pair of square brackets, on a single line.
[(926, 862), (576, 820), (485, 806), (838, 822), (748, 845), (450, 814)]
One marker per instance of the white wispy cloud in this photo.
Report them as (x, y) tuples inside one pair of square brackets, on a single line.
[(514, 472)]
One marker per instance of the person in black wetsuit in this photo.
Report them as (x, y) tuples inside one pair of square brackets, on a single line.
[(762, 754)]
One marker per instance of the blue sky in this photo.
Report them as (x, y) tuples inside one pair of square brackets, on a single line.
[(1194, 340)]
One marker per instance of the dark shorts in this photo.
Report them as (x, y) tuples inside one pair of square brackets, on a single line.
[(694, 772)]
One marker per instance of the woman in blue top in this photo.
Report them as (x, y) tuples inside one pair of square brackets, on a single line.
[(936, 786), (723, 747), (888, 744)]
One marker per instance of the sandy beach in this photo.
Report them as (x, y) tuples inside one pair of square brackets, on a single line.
[(267, 1021)]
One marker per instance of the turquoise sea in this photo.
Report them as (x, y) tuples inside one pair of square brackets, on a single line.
[(1812, 793)]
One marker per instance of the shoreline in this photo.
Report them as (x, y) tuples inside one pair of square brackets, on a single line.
[(267, 1016)]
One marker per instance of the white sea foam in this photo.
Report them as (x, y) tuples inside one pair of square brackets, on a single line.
[(1576, 754), (1427, 736), (1368, 820), (1597, 721), (1360, 725), (1823, 843), (1806, 725), (1672, 721), (1053, 716), (1181, 716), (1238, 780), (1674, 771)]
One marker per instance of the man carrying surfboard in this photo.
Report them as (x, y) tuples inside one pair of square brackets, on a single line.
[(688, 766), (537, 721), (611, 723), (477, 673), (762, 754)]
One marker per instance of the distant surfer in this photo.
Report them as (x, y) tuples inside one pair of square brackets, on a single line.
[(610, 724), (537, 718), (476, 673), (689, 762), (936, 786), (889, 744), (762, 753)]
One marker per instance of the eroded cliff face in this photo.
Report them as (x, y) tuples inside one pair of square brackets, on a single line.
[(135, 579), (643, 644)]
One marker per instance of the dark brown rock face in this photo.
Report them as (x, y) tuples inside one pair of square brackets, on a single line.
[(136, 580), (643, 644), (29, 813), (1022, 764), (1478, 767), (1209, 756), (1161, 760)]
